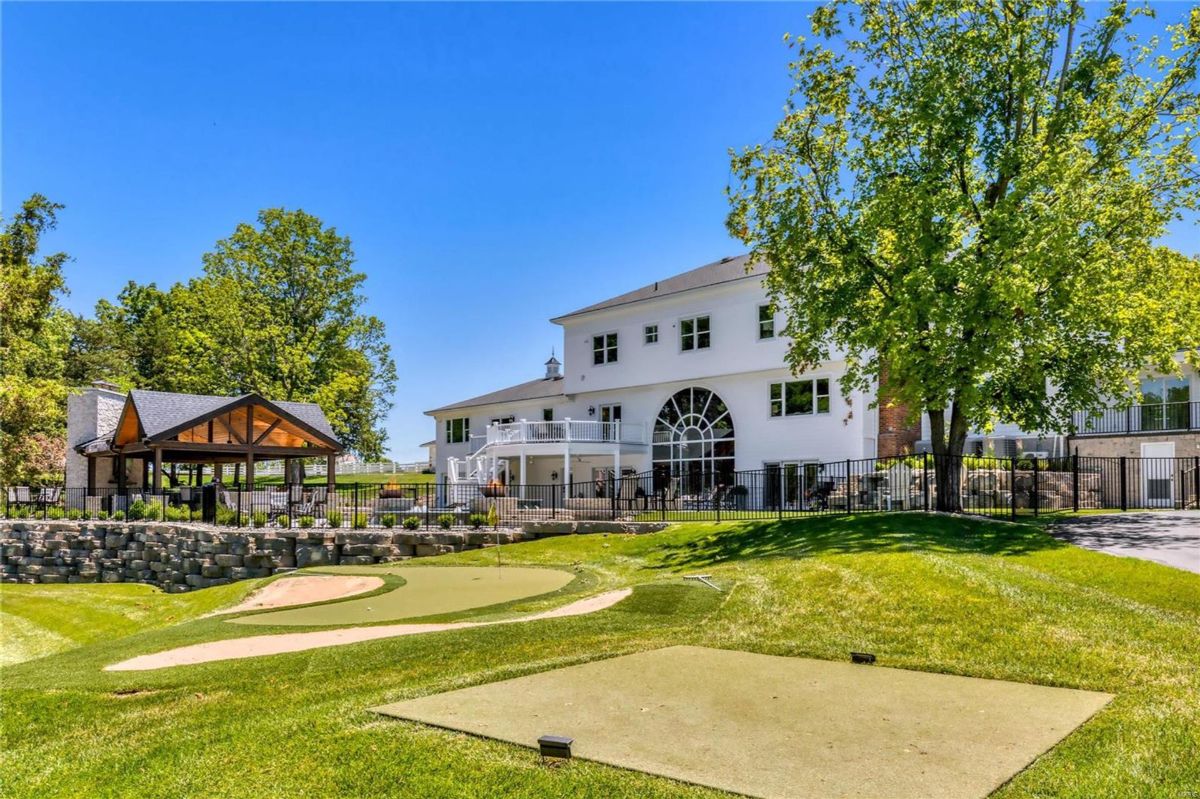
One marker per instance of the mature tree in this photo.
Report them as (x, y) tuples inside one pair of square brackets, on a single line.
[(968, 193), (34, 331), (283, 305)]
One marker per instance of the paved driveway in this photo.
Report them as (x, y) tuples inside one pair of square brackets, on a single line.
[(1168, 537)]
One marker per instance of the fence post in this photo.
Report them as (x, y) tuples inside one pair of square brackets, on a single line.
[(1124, 499), (925, 480), (1012, 486), (1196, 480), (1075, 480), (239, 507), (1036, 498), (849, 501)]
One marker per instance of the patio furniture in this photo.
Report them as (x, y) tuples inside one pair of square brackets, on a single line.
[(277, 504), (702, 501), (19, 495), (49, 496)]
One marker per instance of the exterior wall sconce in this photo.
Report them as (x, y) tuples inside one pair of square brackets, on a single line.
[(553, 477), (591, 410)]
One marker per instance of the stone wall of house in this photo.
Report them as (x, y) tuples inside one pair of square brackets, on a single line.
[(90, 413), (179, 557), (1187, 445)]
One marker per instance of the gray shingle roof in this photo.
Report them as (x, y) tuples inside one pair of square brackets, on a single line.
[(160, 411), (723, 271), (534, 389)]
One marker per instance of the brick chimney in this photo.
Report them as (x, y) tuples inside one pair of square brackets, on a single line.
[(899, 429)]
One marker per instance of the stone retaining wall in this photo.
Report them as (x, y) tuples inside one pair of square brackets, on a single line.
[(180, 557)]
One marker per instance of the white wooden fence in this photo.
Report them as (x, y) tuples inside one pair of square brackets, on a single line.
[(275, 468)]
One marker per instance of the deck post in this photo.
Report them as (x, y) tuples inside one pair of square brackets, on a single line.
[(523, 463)]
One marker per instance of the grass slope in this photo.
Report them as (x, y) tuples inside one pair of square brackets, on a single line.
[(933, 593)]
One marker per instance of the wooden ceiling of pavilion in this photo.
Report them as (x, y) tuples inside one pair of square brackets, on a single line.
[(245, 426)]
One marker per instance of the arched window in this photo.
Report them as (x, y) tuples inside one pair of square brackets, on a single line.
[(693, 441)]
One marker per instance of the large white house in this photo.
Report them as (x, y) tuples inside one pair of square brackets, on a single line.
[(685, 378)]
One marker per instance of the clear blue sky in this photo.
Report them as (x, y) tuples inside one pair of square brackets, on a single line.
[(494, 165)]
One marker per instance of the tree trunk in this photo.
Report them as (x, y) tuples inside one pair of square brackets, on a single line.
[(948, 446)]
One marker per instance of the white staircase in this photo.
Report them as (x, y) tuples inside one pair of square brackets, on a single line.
[(467, 476)]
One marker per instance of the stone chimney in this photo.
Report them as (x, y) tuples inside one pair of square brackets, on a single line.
[(91, 412), (552, 367)]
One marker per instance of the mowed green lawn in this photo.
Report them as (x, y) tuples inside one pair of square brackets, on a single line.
[(935, 593)]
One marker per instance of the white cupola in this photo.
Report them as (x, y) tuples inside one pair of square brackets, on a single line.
[(552, 367)]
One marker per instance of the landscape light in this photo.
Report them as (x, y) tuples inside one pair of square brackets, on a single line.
[(862, 657), (556, 747)]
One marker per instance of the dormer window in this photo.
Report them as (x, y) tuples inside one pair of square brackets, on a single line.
[(604, 349)]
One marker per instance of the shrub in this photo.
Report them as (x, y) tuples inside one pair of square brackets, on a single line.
[(445, 521), (176, 514), (411, 523), (74, 514), (226, 517), (493, 517), (388, 520), (334, 518), (259, 518), (283, 520), (360, 521), (119, 516), (137, 510), (306, 521), (153, 511), (55, 513), (477, 520), (102, 515)]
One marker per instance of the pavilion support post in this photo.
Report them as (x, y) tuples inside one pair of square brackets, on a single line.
[(288, 477), (157, 470), (218, 472), (91, 477), (145, 472), (249, 447)]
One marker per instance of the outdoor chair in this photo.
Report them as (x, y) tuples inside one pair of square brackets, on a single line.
[(19, 495), (702, 501), (277, 504), (49, 496), (818, 498), (319, 499)]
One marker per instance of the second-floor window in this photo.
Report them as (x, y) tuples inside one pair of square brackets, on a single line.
[(694, 333), (766, 322), (800, 397), (547, 414), (650, 334), (604, 348), (458, 430)]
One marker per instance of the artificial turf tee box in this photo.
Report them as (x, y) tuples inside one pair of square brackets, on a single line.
[(773, 726)]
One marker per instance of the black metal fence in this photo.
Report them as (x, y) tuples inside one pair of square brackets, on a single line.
[(980, 485)]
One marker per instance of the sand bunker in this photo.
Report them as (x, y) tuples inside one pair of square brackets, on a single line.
[(305, 589), (258, 645)]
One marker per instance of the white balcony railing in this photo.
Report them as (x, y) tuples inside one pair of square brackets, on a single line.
[(566, 431)]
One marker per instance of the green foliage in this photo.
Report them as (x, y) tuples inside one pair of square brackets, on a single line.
[(177, 514), (55, 513), (306, 521), (118, 516), (493, 515), (153, 511), (388, 520), (226, 517), (445, 521), (411, 522), (360, 521), (334, 518), (966, 196), (283, 520), (137, 510), (34, 331), (476, 520), (74, 514), (102, 515), (259, 518)]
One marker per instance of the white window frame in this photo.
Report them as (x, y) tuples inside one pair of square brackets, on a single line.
[(611, 351), (762, 322), (465, 431), (814, 380), (647, 333), (695, 334)]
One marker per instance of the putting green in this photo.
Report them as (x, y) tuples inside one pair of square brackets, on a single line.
[(772, 726), (427, 591)]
